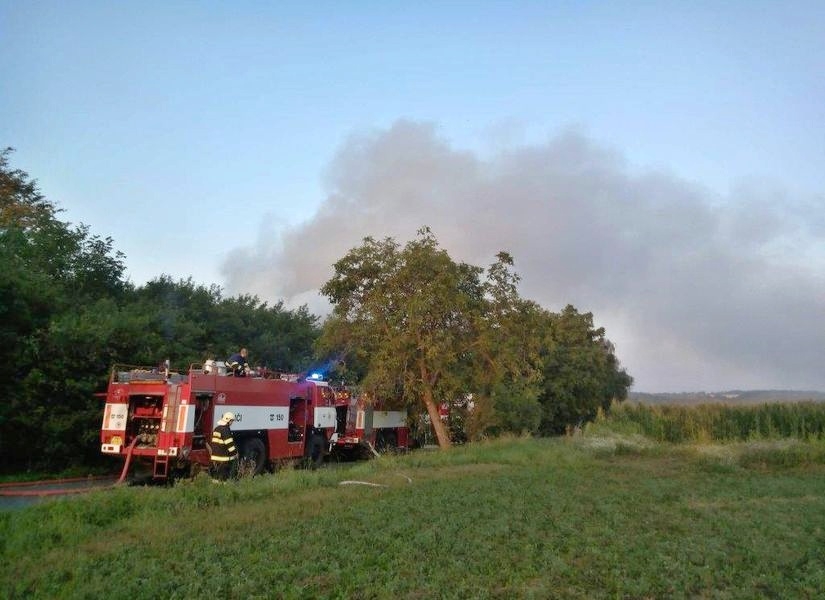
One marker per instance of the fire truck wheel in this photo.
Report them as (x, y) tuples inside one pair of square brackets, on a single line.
[(253, 451), (385, 441)]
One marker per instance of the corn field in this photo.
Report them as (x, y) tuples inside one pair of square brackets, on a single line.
[(719, 422)]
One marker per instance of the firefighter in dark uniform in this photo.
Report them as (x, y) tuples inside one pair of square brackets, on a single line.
[(237, 364), (224, 454)]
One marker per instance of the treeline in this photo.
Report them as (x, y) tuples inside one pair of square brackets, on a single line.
[(409, 325), (67, 314), (732, 397)]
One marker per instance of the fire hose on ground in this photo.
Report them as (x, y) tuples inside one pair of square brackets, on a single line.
[(10, 489)]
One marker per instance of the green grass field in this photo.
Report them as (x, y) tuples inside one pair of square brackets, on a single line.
[(603, 515)]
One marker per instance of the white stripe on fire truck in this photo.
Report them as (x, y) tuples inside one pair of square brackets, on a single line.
[(186, 419), (181, 418), (254, 417), (388, 418)]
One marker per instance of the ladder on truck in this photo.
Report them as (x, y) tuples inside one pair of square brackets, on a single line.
[(167, 432)]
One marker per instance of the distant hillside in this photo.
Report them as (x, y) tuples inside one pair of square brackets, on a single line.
[(729, 397)]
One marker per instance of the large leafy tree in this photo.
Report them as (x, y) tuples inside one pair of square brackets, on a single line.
[(411, 322), (505, 358), (422, 326), (580, 371), (53, 274)]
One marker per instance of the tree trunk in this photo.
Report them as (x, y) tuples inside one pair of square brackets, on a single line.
[(441, 433)]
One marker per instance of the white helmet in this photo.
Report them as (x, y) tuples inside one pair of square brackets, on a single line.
[(227, 418)]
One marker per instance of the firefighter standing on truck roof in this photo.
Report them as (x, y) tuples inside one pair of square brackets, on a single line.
[(237, 364), (224, 454)]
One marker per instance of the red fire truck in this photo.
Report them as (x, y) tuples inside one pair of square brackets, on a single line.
[(363, 424), (164, 420)]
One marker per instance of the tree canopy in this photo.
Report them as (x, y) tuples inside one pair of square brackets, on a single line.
[(424, 328), (580, 371)]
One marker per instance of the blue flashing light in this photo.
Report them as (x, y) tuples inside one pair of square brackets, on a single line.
[(316, 376)]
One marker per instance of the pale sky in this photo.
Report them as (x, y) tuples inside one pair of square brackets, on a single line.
[(661, 164)]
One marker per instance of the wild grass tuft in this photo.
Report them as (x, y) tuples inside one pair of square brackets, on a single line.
[(610, 444)]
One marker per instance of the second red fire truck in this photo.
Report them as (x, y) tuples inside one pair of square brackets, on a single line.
[(164, 420)]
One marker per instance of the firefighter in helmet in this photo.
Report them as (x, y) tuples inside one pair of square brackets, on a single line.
[(224, 454), (237, 364)]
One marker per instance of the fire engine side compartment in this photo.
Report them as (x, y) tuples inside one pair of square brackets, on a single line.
[(273, 410)]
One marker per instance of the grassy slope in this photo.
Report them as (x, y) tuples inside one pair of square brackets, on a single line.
[(587, 518)]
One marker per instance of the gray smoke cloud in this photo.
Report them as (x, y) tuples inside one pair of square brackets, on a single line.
[(696, 290)]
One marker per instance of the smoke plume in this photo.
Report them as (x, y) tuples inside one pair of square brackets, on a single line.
[(696, 290)]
